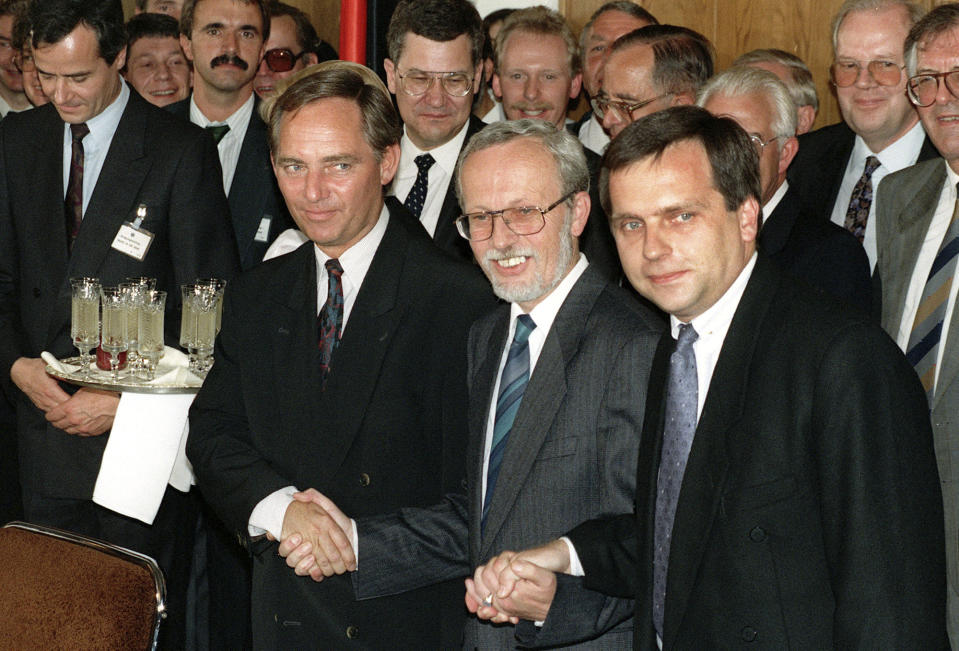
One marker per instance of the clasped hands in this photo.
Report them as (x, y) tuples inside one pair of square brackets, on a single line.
[(88, 412), (317, 537)]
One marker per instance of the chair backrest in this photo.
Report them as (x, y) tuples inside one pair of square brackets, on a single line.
[(60, 590)]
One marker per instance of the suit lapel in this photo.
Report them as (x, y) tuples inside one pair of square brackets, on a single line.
[(543, 397), (252, 166), (779, 225), (709, 460)]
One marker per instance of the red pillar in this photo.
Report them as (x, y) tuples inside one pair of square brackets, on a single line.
[(353, 31)]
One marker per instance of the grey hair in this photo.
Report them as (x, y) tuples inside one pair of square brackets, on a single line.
[(623, 6), (914, 11), (941, 19), (801, 86), (743, 80), (563, 146)]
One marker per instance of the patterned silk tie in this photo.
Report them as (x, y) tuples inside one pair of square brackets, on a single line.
[(682, 399), (923, 347), (73, 204), (330, 319), (512, 385), (860, 201), (417, 196), (218, 131)]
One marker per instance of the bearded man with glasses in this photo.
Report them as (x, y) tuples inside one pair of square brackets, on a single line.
[(839, 167), (916, 233)]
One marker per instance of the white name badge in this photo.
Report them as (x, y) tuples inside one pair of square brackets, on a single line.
[(263, 232), (133, 241)]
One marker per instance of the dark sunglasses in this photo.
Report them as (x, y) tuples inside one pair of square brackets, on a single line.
[(281, 59)]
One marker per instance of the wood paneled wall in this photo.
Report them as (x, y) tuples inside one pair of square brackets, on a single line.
[(734, 26)]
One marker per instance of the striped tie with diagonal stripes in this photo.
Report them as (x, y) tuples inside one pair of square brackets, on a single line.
[(923, 348), (512, 385)]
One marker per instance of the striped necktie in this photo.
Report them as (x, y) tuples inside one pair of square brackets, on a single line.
[(923, 347)]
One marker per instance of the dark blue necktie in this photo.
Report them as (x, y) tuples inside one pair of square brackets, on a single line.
[(512, 385), (682, 399), (417, 196)]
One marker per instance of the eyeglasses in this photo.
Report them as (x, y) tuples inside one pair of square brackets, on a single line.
[(623, 110), (417, 82), (24, 62), (923, 89), (281, 59), (525, 220), (759, 142), (885, 73)]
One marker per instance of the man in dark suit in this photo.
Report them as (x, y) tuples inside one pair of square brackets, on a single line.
[(538, 71), (434, 69), (133, 153), (880, 132), (916, 238), (342, 367), (821, 253), (224, 40), (570, 452), (784, 497)]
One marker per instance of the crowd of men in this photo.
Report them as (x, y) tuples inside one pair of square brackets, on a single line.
[(681, 374)]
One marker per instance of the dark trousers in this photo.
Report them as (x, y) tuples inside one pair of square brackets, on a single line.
[(169, 540)]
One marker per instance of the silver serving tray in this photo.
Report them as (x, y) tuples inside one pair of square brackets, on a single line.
[(100, 379)]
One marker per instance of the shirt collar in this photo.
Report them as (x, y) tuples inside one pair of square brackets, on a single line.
[(356, 259), (546, 310), (104, 124), (240, 117), (898, 155), (445, 155), (774, 201), (714, 322)]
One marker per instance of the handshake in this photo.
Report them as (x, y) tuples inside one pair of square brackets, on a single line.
[(318, 541)]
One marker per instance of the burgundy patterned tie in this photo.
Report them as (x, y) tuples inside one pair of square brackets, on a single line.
[(73, 204), (330, 318)]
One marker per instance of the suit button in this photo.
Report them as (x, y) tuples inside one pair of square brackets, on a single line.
[(758, 534), (364, 479), (352, 632), (36, 292), (464, 484), (749, 634)]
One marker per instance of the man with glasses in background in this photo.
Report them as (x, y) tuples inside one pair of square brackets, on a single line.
[(290, 48), (648, 70), (12, 97), (917, 239), (839, 167)]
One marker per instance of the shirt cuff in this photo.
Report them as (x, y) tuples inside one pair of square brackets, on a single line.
[(268, 514), (355, 543), (575, 565)]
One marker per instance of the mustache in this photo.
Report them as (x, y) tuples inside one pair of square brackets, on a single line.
[(229, 59)]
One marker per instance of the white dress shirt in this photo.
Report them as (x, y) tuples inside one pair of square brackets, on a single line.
[(440, 175), (495, 114), (920, 273), (899, 155), (95, 145), (231, 144), (267, 515), (592, 136)]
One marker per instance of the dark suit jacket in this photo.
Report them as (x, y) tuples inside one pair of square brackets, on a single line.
[(388, 431), (571, 456), (907, 201), (153, 159), (818, 168), (597, 239), (254, 194), (810, 515), (823, 254)]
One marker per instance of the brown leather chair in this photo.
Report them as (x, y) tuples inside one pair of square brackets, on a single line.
[(60, 590)]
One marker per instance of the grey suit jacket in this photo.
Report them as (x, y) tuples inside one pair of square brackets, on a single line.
[(906, 203), (570, 457)]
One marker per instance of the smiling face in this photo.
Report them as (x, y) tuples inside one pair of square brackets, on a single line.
[(534, 79), (679, 245), (157, 69), (880, 114), (607, 27), (79, 82), (225, 46), (10, 77), (940, 53), (329, 175), (522, 268), (433, 118)]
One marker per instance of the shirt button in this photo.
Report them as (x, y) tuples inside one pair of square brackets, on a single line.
[(364, 479), (758, 534), (749, 634)]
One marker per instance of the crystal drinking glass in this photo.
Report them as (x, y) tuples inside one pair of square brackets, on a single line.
[(85, 319), (113, 336)]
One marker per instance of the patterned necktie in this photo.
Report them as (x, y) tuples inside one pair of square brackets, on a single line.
[(682, 399), (330, 319), (218, 131), (861, 199), (417, 196), (73, 204), (512, 385), (923, 347)]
